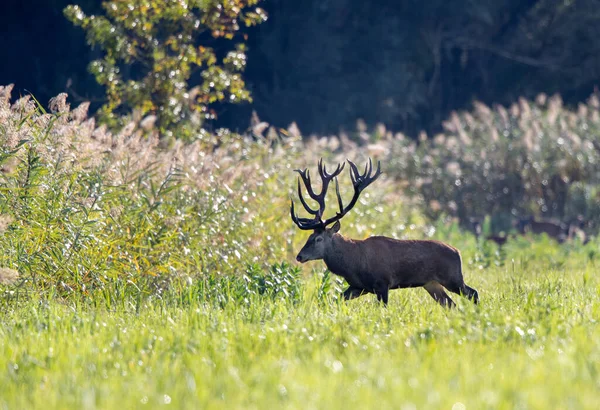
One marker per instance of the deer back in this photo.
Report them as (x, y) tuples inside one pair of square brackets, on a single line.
[(397, 263)]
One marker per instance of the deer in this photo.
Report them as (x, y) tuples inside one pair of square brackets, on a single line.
[(554, 230), (376, 264)]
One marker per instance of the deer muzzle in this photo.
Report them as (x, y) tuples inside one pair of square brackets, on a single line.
[(301, 258)]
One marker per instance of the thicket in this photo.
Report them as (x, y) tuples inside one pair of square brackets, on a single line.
[(83, 207), (89, 213), (534, 158)]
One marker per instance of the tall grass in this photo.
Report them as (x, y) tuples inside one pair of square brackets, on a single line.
[(103, 216), (534, 158), (97, 215)]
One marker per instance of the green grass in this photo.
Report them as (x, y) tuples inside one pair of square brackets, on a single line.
[(533, 343)]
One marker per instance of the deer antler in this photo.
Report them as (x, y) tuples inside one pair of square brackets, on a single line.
[(316, 222), (359, 182)]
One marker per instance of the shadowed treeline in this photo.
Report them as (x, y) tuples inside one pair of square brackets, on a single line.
[(325, 64)]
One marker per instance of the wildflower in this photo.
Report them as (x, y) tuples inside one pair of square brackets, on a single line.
[(292, 129), (582, 111), (528, 139), (525, 108), (334, 144), (470, 120), (572, 120), (464, 137), (503, 115), (554, 109), (439, 139), (482, 110), (515, 111), (380, 130), (361, 125), (148, 122), (453, 168), (494, 133), (5, 93), (127, 130), (451, 143), (435, 205), (24, 106)]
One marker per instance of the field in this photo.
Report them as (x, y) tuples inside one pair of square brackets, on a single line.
[(139, 274), (533, 343)]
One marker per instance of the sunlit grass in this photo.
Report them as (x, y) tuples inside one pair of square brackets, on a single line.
[(534, 342)]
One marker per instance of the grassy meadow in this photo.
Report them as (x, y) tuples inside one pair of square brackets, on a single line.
[(140, 273), (533, 343)]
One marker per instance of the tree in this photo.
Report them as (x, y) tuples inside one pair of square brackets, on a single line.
[(155, 51)]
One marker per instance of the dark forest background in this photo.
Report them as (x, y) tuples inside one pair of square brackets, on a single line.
[(326, 63)]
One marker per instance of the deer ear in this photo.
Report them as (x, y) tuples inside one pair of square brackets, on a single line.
[(335, 228)]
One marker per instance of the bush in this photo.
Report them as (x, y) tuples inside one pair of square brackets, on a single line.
[(86, 213)]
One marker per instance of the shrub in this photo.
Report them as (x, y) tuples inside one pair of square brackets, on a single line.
[(87, 212)]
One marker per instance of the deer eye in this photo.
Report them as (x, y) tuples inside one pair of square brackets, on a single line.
[(319, 239)]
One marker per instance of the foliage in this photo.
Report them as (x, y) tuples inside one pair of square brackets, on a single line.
[(84, 212), (533, 158), (93, 216), (154, 52), (405, 63), (82, 208)]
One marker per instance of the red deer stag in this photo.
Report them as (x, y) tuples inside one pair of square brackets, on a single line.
[(376, 264)]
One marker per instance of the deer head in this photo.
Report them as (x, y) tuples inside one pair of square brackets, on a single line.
[(319, 242)]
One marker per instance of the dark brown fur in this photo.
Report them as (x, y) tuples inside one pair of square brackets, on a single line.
[(379, 264), (554, 230)]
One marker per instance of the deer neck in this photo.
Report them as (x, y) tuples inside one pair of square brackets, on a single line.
[(343, 256)]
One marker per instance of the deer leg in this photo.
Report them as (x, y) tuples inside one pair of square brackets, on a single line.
[(470, 293), (382, 295), (465, 291), (352, 293), (437, 292)]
